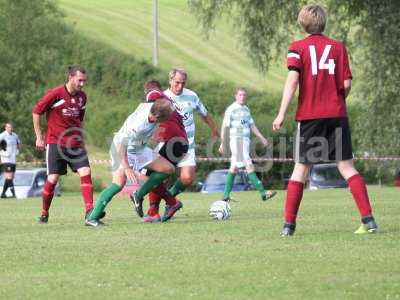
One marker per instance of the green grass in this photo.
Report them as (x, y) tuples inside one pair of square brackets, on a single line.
[(127, 27), (193, 257)]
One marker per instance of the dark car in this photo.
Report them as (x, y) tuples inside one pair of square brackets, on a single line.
[(325, 176), (215, 182), (29, 183)]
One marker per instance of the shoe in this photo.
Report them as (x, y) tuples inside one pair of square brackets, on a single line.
[(3, 196), (171, 210), (43, 219), (229, 199), (94, 223), (368, 226), (102, 215), (151, 219), (137, 203), (288, 229), (268, 195)]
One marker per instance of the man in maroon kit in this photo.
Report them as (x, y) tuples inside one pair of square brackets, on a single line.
[(64, 107), (173, 145), (320, 67)]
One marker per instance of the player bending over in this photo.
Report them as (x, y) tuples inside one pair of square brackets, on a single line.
[(134, 135), (173, 146)]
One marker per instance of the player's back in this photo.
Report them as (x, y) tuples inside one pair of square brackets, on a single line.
[(323, 67)]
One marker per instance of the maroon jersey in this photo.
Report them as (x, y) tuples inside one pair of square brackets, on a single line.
[(171, 128), (323, 66), (64, 115)]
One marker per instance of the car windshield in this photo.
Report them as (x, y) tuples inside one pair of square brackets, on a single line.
[(20, 179), (325, 174), (220, 178)]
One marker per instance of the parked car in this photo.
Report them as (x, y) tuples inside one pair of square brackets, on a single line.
[(325, 176), (29, 183), (215, 182)]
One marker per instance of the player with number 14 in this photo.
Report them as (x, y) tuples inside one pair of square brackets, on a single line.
[(319, 66)]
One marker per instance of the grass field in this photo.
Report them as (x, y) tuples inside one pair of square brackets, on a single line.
[(127, 27), (193, 257)]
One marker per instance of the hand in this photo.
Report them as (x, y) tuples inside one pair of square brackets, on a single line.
[(264, 141), (278, 122), (131, 175), (221, 149), (40, 143)]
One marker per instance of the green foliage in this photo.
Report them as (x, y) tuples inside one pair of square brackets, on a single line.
[(369, 28), (31, 37), (263, 26)]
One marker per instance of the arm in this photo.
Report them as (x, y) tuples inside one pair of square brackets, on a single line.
[(255, 130), (123, 154), (347, 87), (224, 128), (291, 84), (38, 131), (208, 119)]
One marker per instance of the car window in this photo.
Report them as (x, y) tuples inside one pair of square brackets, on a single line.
[(40, 180), (324, 174), (220, 178), (23, 179)]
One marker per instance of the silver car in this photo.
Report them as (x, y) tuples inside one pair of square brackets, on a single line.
[(29, 183)]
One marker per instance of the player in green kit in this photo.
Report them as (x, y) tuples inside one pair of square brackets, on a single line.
[(240, 124)]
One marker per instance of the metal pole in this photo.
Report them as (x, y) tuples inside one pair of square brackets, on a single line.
[(155, 33)]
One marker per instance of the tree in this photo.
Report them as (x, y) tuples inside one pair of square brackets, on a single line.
[(31, 39), (370, 29)]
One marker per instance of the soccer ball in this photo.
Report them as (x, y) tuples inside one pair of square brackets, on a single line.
[(220, 210)]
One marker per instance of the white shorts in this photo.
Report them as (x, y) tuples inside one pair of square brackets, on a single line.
[(189, 160), (240, 149), (137, 161)]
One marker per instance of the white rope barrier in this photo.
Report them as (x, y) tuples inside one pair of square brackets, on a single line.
[(221, 159)]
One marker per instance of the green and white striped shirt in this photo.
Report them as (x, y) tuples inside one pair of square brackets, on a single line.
[(186, 103), (238, 118)]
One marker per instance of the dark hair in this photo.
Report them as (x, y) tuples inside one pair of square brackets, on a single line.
[(152, 85), (75, 68), (161, 109)]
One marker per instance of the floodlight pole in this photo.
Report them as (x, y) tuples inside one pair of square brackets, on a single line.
[(155, 33)]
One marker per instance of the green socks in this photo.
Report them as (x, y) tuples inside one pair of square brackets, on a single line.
[(256, 182), (177, 188), (228, 184), (155, 179), (105, 197)]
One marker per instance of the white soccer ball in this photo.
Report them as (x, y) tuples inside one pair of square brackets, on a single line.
[(220, 210)]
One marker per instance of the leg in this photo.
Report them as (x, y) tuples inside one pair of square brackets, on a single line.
[(86, 187), (256, 182), (230, 177), (56, 166), (119, 180), (185, 179), (293, 197), (11, 180), (359, 191), (162, 169), (5, 185), (188, 169), (47, 196)]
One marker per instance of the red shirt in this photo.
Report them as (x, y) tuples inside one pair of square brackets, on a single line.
[(323, 65), (172, 128), (64, 115)]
